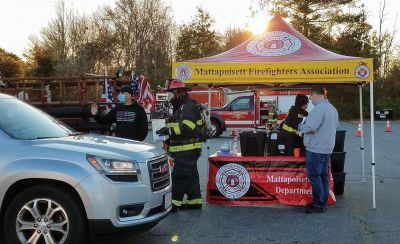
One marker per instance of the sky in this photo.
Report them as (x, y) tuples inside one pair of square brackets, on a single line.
[(20, 19)]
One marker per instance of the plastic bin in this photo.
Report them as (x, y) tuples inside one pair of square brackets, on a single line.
[(383, 114), (338, 182), (337, 162), (339, 141), (280, 143), (252, 144)]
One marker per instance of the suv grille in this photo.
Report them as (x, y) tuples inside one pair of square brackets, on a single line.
[(159, 173)]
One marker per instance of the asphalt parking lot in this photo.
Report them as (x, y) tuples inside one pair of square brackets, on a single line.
[(350, 220)]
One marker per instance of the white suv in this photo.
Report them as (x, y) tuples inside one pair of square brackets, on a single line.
[(57, 184)]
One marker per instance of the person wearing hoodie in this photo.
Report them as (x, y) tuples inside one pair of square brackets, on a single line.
[(129, 117), (293, 119)]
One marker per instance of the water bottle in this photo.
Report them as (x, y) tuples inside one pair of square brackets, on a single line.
[(225, 149), (235, 146)]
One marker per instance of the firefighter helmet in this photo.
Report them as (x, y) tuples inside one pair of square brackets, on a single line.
[(176, 84)]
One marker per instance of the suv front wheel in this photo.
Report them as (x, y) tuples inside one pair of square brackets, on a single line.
[(44, 214)]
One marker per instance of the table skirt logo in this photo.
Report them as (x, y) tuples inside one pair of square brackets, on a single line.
[(183, 72), (232, 180), (362, 71), (275, 43)]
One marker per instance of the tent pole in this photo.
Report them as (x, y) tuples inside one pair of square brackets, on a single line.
[(371, 93), (362, 135), (209, 101), (209, 121)]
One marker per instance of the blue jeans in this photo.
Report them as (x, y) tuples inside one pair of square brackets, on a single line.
[(317, 171)]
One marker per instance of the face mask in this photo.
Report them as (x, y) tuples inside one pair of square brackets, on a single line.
[(170, 95), (121, 98)]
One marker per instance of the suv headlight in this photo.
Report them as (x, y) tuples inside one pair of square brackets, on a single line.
[(113, 166)]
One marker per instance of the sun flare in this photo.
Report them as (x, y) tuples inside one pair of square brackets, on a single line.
[(258, 23)]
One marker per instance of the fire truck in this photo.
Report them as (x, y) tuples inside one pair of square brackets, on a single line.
[(257, 109), (264, 109)]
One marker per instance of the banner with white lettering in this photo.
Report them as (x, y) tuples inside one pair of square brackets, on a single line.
[(260, 180)]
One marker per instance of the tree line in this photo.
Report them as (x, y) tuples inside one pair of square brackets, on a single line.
[(141, 35)]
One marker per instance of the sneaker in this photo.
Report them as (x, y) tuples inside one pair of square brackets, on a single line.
[(311, 205), (314, 210)]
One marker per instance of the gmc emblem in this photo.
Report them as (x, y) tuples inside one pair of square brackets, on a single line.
[(164, 168)]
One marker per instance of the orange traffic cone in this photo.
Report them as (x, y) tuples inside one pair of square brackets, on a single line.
[(388, 127), (359, 131)]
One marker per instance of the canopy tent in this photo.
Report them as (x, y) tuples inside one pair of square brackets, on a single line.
[(281, 55)]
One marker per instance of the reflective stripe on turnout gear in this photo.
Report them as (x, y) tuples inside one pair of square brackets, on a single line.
[(175, 128), (177, 203), (194, 201), (189, 123), (290, 129), (186, 147)]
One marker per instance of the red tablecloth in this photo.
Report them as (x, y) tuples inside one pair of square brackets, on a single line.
[(260, 180)]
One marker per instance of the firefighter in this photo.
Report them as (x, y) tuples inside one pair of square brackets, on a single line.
[(294, 118), (184, 145)]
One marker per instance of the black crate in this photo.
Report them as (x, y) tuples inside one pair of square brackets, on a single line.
[(252, 144), (339, 141), (338, 183), (337, 162)]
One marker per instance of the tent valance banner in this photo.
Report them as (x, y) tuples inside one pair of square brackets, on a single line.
[(279, 55)]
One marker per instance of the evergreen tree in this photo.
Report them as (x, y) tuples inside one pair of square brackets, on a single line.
[(197, 39)]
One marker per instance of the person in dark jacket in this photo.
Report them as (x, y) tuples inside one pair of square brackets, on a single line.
[(185, 145), (129, 117), (293, 119)]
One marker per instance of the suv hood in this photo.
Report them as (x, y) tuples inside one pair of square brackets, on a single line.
[(107, 146)]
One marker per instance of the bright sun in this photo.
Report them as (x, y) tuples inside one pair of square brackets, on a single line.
[(258, 23)]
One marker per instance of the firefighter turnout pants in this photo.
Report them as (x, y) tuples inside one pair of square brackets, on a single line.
[(185, 180)]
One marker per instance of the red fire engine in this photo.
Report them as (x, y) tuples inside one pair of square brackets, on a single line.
[(263, 109)]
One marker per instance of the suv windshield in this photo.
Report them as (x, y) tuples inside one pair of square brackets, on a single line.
[(22, 121)]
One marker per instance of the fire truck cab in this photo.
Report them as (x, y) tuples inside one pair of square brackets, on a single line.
[(264, 109)]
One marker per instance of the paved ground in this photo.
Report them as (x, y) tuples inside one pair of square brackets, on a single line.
[(351, 220)]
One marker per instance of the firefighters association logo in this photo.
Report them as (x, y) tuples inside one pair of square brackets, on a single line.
[(232, 180), (275, 43), (362, 71), (183, 72)]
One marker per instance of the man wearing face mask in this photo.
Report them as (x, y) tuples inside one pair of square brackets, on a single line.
[(129, 117), (185, 145), (319, 131)]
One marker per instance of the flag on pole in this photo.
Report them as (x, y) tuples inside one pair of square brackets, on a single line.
[(142, 90), (106, 97), (135, 85)]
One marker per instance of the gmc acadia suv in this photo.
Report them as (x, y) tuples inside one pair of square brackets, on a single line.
[(57, 185)]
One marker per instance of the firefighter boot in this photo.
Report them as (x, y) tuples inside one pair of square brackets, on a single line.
[(174, 208), (187, 206)]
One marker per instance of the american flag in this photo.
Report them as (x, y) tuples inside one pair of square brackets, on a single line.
[(135, 85), (142, 91), (106, 97)]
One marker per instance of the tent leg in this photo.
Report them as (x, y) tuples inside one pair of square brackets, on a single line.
[(209, 117), (362, 135), (371, 93)]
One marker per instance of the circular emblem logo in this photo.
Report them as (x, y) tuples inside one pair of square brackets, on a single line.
[(362, 71), (275, 43), (183, 72), (232, 180)]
